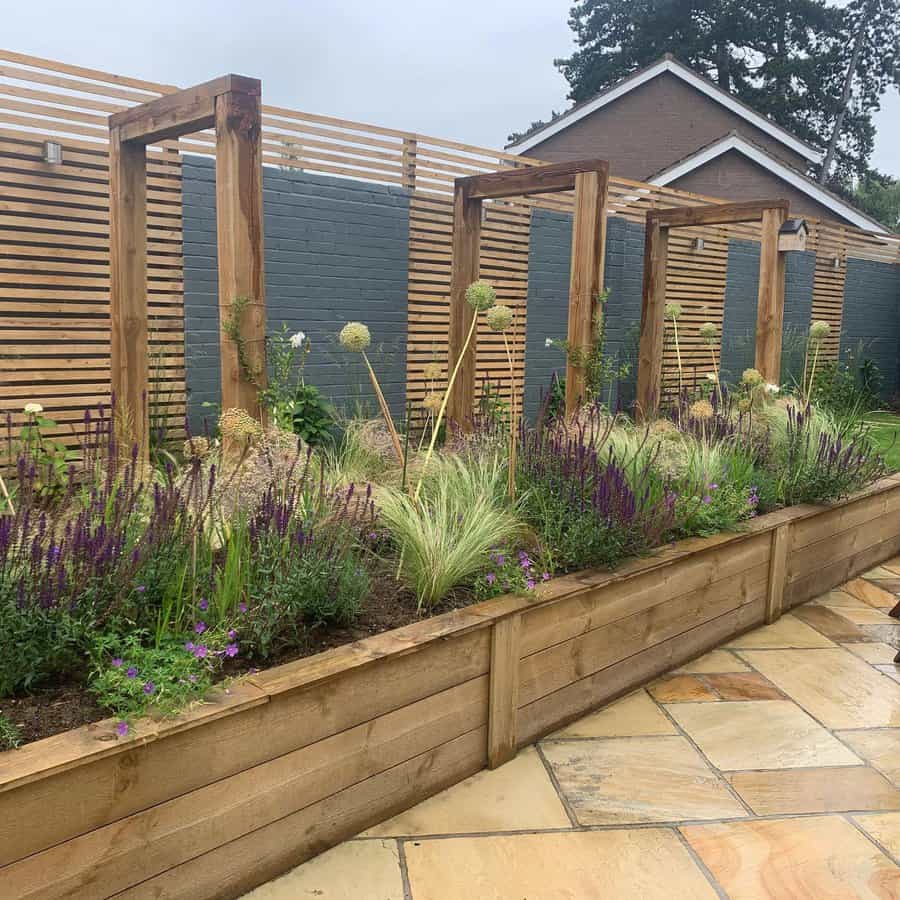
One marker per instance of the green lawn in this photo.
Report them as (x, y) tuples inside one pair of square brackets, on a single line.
[(885, 431)]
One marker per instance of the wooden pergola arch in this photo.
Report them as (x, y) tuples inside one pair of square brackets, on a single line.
[(772, 214), (589, 178), (232, 105)]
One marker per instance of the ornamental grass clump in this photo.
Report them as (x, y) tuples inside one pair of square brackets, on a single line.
[(461, 514)]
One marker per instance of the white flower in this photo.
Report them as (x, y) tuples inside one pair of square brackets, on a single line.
[(548, 343), (297, 340), (33, 409), (772, 388), (711, 376)]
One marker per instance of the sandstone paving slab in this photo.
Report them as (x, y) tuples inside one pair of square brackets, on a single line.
[(632, 780), (350, 871), (787, 632), (833, 623), (790, 791), (681, 689), (516, 796), (885, 828), (646, 863), (871, 592), (834, 686), (878, 746), (714, 661), (762, 734), (633, 715), (743, 686), (798, 858), (875, 653)]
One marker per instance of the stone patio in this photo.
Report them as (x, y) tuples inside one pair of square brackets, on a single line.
[(769, 767)]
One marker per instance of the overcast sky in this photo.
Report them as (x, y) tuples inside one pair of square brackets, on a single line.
[(472, 70)]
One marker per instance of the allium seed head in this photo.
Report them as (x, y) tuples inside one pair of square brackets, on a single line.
[(480, 296), (355, 336)]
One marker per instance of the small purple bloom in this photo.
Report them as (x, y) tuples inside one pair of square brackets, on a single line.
[(242, 607), (501, 559), (189, 646), (713, 486), (231, 650), (530, 584), (203, 605), (122, 729), (192, 679), (707, 499), (490, 578), (131, 672), (545, 576), (116, 663), (232, 634), (149, 687), (141, 588), (200, 627), (200, 652)]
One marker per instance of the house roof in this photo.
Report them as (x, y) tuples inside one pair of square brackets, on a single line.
[(762, 157), (671, 65)]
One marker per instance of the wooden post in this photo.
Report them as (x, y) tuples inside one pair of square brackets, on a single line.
[(778, 570), (410, 146), (465, 262), (504, 690), (586, 275), (239, 220), (770, 306), (128, 290), (653, 319)]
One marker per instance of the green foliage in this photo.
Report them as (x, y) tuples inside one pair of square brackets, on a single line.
[(493, 408), (132, 677), (10, 736), (231, 325), (313, 416), (849, 386), (510, 572), (879, 196), (601, 371), (50, 458), (460, 516)]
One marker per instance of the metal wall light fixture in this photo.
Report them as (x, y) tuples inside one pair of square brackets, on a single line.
[(53, 153), (697, 244)]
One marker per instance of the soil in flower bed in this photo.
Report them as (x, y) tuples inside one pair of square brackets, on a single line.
[(55, 708)]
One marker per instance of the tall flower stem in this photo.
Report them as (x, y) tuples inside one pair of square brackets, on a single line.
[(513, 422), (678, 355), (385, 411), (443, 409)]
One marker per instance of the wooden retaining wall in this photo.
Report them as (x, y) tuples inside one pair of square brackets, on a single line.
[(300, 757)]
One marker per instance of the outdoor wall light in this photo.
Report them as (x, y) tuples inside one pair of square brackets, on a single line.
[(697, 244), (53, 153), (835, 263)]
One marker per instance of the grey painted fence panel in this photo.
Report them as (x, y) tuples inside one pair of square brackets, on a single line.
[(336, 249)]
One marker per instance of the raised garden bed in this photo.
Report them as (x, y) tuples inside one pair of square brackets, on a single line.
[(297, 758)]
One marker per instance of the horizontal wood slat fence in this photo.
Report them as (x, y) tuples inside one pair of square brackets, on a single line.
[(54, 238)]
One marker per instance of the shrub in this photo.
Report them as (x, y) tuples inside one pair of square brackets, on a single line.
[(10, 736)]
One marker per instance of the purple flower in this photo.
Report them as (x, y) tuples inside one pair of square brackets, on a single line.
[(141, 588), (713, 486), (242, 607), (189, 646), (232, 633), (122, 729), (149, 687), (545, 576), (231, 650), (203, 605), (192, 679), (131, 672), (116, 663), (490, 578), (200, 652), (200, 627), (707, 499), (501, 559), (530, 584)]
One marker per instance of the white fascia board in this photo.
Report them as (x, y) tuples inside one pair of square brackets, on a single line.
[(694, 80), (785, 173)]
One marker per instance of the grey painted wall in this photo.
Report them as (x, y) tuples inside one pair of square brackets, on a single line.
[(336, 250), (741, 296), (549, 259), (871, 315)]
